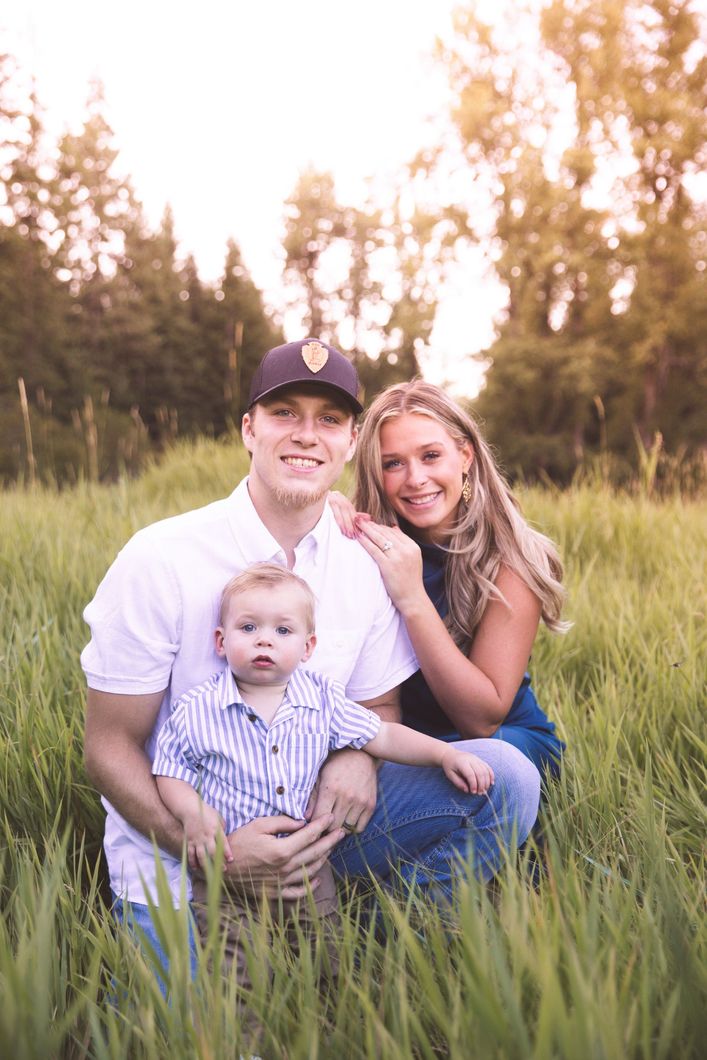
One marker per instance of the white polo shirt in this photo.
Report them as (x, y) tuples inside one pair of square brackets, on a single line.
[(154, 614)]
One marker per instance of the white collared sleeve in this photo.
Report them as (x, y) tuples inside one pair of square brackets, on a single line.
[(135, 622), (386, 657)]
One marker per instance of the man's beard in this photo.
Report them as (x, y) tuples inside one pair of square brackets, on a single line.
[(299, 499)]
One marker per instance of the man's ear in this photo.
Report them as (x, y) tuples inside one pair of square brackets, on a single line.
[(218, 641), (309, 646), (247, 431)]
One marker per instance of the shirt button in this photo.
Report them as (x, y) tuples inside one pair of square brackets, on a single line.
[(275, 749), (252, 717), (279, 790)]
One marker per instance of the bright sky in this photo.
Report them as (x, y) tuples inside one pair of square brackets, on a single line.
[(218, 105)]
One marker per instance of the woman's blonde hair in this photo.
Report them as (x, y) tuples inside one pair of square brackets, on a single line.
[(490, 529)]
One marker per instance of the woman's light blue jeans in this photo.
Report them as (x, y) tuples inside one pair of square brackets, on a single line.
[(425, 830)]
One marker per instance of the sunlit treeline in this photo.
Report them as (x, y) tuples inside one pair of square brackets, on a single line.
[(579, 173)]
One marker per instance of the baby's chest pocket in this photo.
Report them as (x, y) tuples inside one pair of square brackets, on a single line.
[(307, 753)]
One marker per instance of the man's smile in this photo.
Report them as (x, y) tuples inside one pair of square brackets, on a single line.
[(301, 461)]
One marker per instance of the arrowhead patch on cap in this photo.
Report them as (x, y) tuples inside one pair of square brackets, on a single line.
[(315, 356)]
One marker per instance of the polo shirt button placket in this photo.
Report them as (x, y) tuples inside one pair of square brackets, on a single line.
[(276, 764)]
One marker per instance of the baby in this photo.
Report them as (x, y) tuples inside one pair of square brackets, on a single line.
[(249, 741)]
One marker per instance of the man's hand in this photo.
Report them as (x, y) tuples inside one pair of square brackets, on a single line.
[(347, 789), (266, 861)]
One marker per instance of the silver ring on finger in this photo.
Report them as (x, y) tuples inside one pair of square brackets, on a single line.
[(388, 545)]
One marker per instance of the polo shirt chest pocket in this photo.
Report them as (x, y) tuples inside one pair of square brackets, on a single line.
[(306, 753)]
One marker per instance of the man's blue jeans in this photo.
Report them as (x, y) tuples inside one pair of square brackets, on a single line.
[(137, 919), (424, 830)]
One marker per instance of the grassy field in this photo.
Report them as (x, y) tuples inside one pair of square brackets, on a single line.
[(603, 957)]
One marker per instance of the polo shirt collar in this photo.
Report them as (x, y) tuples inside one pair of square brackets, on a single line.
[(256, 541), (299, 692), (316, 542), (228, 692)]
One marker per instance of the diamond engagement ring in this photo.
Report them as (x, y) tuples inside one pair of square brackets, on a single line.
[(386, 546)]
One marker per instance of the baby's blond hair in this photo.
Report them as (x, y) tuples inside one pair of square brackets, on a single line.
[(267, 576)]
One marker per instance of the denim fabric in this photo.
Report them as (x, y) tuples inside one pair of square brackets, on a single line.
[(542, 748), (138, 920), (423, 827), (423, 831), (526, 725)]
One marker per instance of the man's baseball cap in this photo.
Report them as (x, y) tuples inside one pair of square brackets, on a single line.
[(306, 361)]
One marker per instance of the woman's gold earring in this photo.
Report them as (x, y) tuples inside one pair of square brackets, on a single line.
[(466, 489)]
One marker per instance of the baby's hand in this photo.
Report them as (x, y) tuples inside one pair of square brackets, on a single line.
[(204, 830), (467, 772)]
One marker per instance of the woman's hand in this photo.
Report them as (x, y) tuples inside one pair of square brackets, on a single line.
[(345, 513), (399, 559)]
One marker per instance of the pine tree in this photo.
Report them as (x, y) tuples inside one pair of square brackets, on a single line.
[(32, 302), (246, 333)]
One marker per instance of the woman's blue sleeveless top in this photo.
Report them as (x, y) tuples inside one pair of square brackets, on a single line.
[(526, 725)]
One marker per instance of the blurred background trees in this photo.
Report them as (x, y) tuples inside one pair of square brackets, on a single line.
[(118, 344), (367, 279), (600, 244), (577, 146)]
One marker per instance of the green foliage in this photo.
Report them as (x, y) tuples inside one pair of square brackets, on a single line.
[(98, 313), (313, 222), (241, 328), (581, 133), (601, 245), (603, 956), (369, 277)]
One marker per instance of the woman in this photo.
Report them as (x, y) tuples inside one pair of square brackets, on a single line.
[(469, 576)]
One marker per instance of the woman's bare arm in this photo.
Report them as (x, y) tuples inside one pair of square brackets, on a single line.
[(475, 692)]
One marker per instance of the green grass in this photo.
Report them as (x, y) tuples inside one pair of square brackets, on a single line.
[(605, 957)]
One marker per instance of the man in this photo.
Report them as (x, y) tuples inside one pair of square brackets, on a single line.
[(149, 645)]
